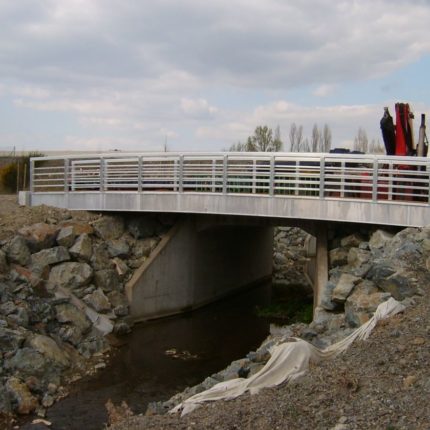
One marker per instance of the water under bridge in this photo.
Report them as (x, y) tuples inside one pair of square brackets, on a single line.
[(245, 194)]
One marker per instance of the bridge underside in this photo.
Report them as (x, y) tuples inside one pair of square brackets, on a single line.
[(298, 208)]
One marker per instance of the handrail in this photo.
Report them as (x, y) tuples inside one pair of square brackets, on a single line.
[(375, 178)]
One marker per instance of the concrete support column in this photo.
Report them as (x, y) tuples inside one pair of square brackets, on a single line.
[(321, 269)]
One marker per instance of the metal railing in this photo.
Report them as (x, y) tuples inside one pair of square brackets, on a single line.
[(339, 176)]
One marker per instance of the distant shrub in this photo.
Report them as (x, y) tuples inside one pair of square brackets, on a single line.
[(9, 173), (8, 177)]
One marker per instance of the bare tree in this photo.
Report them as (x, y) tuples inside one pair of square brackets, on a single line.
[(304, 146), (361, 142), (376, 147), (315, 139), (326, 139), (296, 137), (263, 140)]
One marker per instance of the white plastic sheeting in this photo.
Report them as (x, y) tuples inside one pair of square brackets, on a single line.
[(289, 360)]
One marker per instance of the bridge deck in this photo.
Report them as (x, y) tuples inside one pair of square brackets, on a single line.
[(352, 188)]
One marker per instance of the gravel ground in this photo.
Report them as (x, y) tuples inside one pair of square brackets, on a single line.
[(380, 383), (13, 216)]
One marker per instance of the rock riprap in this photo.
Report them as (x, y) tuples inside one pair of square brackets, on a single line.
[(58, 280)]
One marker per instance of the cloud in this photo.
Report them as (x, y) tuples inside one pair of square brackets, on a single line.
[(324, 90), (197, 108), (207, 72)]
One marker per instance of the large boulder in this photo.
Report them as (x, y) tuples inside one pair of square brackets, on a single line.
[(353, 240), (48, 347), (24, 402), (55, 255), (344, 287), (143, 226), (118, 248), (4, 267), (357, 257), (5, 400), (144, 247), (10, 340), (400, 285), (78, 227), (100, 258), (107, 279), (18, 252), (360, 306), (68, 313), (380, 269), (66, 236), (98, 301), (82, 248), (109, 227), (39, 236), (29, 362), (28, 275), (70, 275), (379, 239), (338, 257)]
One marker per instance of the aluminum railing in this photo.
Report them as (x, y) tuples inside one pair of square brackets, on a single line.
[(340, 176)]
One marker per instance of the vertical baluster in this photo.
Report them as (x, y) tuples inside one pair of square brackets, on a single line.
[(272, 176), (375, 180), (181, 174), (224, 173), (102, 175), (322, 177)]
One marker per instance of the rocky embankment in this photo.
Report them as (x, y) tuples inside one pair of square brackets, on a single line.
[(61, 292), (377, 384)]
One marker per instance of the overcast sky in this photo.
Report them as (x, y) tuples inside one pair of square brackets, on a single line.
[(129, 74)]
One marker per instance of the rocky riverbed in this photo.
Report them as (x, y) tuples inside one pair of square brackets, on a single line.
[(381, 383), (62, 297)]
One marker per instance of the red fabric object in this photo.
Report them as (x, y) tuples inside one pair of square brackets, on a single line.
[(401, 148)]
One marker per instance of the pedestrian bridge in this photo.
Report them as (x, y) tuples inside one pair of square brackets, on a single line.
[(373, 189)]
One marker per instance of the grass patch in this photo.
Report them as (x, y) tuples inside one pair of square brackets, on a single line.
[(292, 310)]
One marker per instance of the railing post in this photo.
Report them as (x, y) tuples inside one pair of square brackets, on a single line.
[(254, 175), (31, 176), (375, 181), (224, 173), (428, 172), (342, 179), (66, 175), (322, 177), (214, 160), (139, 175), (272, 176), (296, 178), (102, 175), (390, 181), (181, 174)]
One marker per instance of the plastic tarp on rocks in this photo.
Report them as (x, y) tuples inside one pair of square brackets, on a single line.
[(289, 360)]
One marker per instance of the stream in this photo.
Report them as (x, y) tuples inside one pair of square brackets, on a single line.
[(141, 372)]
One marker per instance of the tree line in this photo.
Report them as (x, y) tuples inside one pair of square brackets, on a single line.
[(265, 139)]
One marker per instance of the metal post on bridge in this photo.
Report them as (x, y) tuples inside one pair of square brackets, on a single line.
[(102, 175), (224, 174), (272, 176), (139, 175), (322, 177), (181, 174), (375, 181), (66, 175), (31, 175)]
